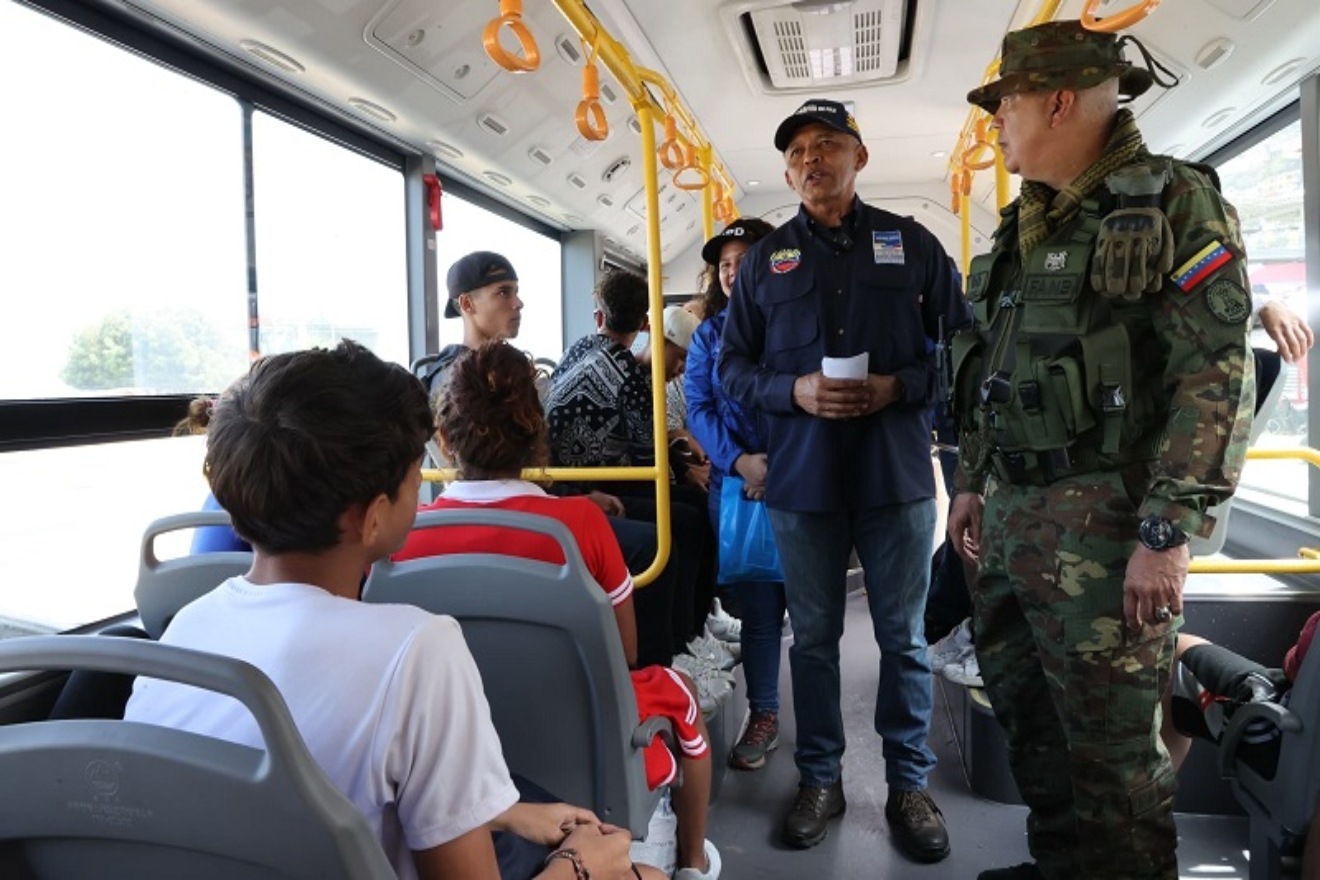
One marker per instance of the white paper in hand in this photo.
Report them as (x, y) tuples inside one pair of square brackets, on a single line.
[(845, 368)]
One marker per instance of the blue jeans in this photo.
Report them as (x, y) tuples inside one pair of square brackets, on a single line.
[(761, 605), (894, 545)]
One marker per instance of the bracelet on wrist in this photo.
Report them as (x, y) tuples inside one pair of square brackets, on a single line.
[(572, 857)]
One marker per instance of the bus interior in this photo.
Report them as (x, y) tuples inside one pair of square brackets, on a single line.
[(186, 185)]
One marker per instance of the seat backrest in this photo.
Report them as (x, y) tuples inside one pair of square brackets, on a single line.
[(165, 586), (545, 639), (1280, 807), (101, 798), (1269, 388)]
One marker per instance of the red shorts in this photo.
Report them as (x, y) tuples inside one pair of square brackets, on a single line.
[(660, 692)]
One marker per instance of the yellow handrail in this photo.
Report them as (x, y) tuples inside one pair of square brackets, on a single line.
[(977, 136), (1309, 563)]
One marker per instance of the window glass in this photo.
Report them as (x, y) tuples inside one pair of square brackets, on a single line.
[(331, 261), (535, 257), (71, 546), (121, 221), (1264, 183)]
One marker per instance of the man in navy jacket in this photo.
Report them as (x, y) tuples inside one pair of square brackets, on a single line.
[(849, 459)]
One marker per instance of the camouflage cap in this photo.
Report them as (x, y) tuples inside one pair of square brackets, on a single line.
[(1060, 55)]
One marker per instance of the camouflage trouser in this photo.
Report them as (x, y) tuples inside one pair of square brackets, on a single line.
[(1076, 692)]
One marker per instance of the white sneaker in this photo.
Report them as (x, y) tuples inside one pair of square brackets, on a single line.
[(712, 871), (952, 647), (723, 625), (659, 848), (714, 685), (965, 670), (724, 655)]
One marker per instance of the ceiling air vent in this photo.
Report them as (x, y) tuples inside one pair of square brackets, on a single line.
[(607, 92), (494, 125), (539, 154), (577, 180), (605, 201), (568, 49), (826, 43), (617, 167)]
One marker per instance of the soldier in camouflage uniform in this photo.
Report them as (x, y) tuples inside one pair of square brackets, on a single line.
[(1104, 401)]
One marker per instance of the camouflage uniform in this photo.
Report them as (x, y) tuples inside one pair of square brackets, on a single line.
[(1111, 408)]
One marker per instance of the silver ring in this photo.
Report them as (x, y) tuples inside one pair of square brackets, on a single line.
[(1163, 614)]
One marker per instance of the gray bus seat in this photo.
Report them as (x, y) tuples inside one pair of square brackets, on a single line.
[(1270, 382), (547, 644), (165, 586), (102, 798), (1278, 808)]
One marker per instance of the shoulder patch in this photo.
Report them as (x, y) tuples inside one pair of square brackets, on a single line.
[(785, 261), (1227, 301), (1201, 266)]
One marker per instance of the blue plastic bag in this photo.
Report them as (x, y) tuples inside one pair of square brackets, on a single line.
[(747, 543)]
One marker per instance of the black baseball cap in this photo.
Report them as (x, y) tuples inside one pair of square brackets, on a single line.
[(748, 229), (831, 113), (474, 272)]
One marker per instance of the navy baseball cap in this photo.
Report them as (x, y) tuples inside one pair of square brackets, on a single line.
[(748, 229), (474, 272), (830, 113)]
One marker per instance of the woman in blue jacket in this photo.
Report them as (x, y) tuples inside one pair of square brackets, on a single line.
[(734, 440)]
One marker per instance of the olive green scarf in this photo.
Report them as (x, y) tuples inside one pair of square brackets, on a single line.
[(1041, 210)]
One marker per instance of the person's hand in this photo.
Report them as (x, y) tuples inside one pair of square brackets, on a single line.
[(881, 392), (603, 849), (964, 527), (1288, 330), (753, 467), (699, 475), (831, 398), (1154, 582), (546, 824), (611, 505)]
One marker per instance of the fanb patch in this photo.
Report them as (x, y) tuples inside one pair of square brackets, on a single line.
[(1227, 301)]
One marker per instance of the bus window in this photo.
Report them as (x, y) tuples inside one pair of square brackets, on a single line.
[(535, 257), (121, 222), (329, 227), (1264, 183)]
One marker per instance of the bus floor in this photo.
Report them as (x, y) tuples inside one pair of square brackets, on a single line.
[(745, 818)]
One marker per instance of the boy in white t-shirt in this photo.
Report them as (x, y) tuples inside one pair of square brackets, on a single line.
[(316, 455)]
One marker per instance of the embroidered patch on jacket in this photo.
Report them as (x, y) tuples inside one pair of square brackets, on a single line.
[(1056, 261), (888, 247), (1200, 267), (785, 260), (1227, 301)]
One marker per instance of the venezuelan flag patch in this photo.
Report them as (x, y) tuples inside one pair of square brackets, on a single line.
[(1201, 266)]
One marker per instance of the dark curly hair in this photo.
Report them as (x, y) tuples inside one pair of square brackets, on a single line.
[(490, 415), (305, 435), (623, 298)]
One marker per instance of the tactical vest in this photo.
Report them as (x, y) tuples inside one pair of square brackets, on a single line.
[(1047, 383)]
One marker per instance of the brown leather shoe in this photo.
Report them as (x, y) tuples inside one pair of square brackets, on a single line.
[(813, 808), (918, 825)]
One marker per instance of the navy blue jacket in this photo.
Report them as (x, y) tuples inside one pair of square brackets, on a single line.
[(801, 294), (724, 427)]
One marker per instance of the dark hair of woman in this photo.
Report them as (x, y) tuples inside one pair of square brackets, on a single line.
[(713, 297), (489, 415)]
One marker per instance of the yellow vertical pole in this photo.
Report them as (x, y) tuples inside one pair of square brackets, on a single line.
[(707, 194), (1001, 180), (650, 172), (965, 216)]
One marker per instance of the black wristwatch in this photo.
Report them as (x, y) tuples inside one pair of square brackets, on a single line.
[(1158, 533)]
